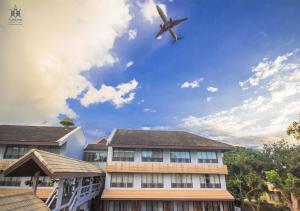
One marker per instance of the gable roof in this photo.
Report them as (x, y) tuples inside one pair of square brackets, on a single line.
[(22, 201), (32, 135), (5, 163), (164, 139), (52, 165), (97, 145)]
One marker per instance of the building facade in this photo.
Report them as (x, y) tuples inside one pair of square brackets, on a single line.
[(96, 153), (15, 141), (165, 171)]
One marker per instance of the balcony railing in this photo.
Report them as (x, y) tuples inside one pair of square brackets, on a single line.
[(167, 168)]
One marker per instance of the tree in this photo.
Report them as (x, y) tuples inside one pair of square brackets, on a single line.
[(245, 180), (281, 163), (294, 130), (67, 122)]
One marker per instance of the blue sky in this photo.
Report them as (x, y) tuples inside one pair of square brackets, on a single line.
[(224, 41)]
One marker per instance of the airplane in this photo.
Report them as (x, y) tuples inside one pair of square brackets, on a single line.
[(168, 25)]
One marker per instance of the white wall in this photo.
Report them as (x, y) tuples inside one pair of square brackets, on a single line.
[(137, 182), (167, 177), (74, 144)]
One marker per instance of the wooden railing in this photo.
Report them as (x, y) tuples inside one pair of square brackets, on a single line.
[(166, 168)]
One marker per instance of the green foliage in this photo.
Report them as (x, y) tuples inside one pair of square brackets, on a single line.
[(294, 130), (67, 122), (282, 165), (245, 180)]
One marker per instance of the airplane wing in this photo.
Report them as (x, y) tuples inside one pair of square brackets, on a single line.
[(160, 33), (173, 35), (179, 21)]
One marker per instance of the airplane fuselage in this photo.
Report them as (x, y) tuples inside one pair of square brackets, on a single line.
[(168, 24)]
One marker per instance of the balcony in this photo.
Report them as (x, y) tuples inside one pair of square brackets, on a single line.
[(166, 168)]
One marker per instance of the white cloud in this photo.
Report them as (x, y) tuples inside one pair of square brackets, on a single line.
[(212, 89), (120, 95), (95, 133), (149, 110), (261, 118), (129, 64), (155, 128), (208, 99), (149, 11), (132, 33), (42, 60), (192, 84), (268, 68)]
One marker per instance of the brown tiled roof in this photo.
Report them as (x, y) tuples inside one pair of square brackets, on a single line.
[(117, 194), (50, 164), (32, 135), (5, 163), (164, 139), (41, 192), (22, 201), (97, 145)]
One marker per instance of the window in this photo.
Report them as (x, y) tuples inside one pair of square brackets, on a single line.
[(180, 156), (210, 181), (123, 155), (152, 155), (15, 151), (120, 205), (122, 180), (10, 181), (207, 157), (45, 182), (214, 206), (152, 181), (52, 149), (99, 156), (154, 206), (180, 206), (181, 181)]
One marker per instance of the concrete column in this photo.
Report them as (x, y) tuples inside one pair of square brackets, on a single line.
[(166, 155), (107, 180), (194, 157), (167, 181), (60, 192), (196, 181), (138, 156), (109, 154), (223, 182), (137, 181), (220, 158)]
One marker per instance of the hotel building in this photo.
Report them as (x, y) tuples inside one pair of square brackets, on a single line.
[(165, 171), (16, 141)]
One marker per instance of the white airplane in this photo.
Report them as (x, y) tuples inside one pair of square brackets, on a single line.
[(168, 24)]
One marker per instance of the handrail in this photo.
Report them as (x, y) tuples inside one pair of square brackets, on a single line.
[(70, 201), (51, 197), (77, 196)]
